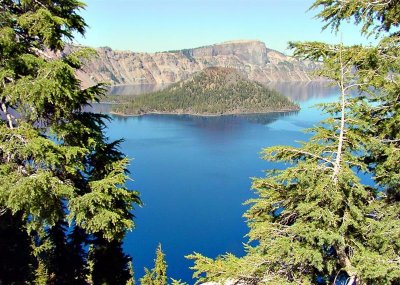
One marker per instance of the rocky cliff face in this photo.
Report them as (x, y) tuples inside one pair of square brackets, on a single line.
[(252, 58)]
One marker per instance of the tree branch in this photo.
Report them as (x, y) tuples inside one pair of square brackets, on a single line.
[(337, 166), (9, 117), (309, 154)]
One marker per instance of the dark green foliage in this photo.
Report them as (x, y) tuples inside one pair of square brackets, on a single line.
[(375, 16), (214, 91), (62, 183), (315, 221), (66, 260), (110, 264), (16, 259), (377, 107)]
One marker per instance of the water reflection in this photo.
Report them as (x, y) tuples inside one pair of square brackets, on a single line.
[(103, 108), (303, 91), (217, 123)]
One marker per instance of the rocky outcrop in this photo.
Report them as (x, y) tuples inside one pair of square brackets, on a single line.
[(251, 58)]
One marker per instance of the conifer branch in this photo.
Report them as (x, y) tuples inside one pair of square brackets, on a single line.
[(9, 117), (42, 53), (299, 151), (40, 4), (337, 166)]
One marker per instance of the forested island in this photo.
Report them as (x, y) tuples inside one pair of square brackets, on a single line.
[(213, 91)]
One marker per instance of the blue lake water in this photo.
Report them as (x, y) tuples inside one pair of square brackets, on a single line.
[(194, 173)]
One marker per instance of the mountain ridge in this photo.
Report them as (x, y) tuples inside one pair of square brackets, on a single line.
[(251, 57)]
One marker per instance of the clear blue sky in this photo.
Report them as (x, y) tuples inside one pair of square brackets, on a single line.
[(160, 25)]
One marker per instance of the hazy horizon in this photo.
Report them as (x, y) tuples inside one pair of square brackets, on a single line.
[(164, 25)]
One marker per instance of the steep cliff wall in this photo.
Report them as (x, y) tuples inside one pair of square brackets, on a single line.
[(251, 58)]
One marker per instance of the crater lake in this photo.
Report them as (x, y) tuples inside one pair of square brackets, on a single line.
[(194, 174)]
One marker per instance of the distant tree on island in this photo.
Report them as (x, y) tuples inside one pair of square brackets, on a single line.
[(64, 206), (317, 222), (213, 91)]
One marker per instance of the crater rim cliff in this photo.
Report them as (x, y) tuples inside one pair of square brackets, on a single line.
[(251, 57)]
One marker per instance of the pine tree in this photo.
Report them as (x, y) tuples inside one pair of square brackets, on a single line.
[(110, 263), (131, 280), (160, 268), (16, 259), (158, 275), (148, 277), (316, 222), (58, 171)]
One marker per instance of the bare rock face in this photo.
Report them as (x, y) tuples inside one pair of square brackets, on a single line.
[(251, 58), (252, 52)]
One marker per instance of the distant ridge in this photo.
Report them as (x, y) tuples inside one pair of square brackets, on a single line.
[(251, 57), (239, 42)]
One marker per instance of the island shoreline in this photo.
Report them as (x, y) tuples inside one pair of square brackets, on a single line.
[(203, 114)]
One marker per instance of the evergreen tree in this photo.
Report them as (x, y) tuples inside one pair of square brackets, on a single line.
[(110, 264), (65, 260), (16, 259), (158, 275), (148, 277), (316, 222), (160, 268), (61, 180), (131, 280)]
